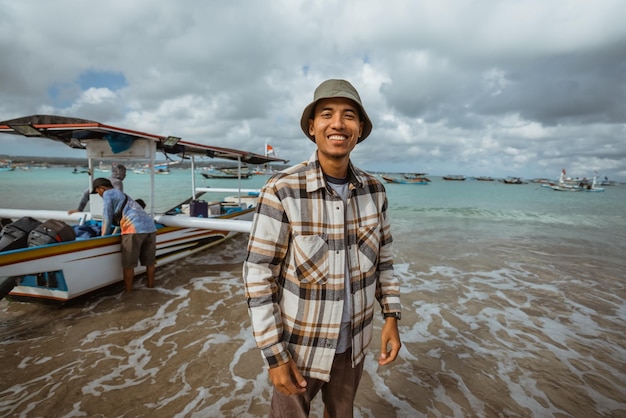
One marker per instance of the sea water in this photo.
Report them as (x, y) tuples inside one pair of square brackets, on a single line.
[(514, 304)]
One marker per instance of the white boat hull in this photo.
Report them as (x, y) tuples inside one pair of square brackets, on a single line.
[(562, 188), (64, 271)]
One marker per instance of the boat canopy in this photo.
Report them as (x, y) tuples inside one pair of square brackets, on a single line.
[(76, 133)]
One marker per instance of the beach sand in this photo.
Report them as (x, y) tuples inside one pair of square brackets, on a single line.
[(481, 337)]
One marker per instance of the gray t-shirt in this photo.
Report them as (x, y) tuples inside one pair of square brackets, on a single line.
[(341, 187)]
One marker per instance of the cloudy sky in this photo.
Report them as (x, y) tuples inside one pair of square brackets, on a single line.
[(492, 88)]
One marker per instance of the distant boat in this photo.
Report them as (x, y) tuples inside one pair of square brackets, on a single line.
[(264, 171), (541, 180), (6, 165), (607, 182), (225, 173), (513, 180), (413, 178), (568, 188), (567, 184), (484, 178), (102, 168), (455, 177), (159, 168)]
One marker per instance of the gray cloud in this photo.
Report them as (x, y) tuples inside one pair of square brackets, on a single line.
[(476, 87)]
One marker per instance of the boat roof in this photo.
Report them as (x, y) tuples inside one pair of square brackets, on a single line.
[(73, 132)]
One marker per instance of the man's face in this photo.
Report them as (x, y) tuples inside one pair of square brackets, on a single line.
[(336, 127)]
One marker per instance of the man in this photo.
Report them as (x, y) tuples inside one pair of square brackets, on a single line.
[(138, 230), (319, 254), (118, 174)]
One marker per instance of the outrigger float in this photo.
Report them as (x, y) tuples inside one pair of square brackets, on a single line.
[(62, 271)]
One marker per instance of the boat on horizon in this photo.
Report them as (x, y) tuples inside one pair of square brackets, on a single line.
[(63, 268), (568, 184), (102, 168), (541, 180), (513, 180), (454, 177), (6, 165), (225, 172), (156, 168), (412, 178)]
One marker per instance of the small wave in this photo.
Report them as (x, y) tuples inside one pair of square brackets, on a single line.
[(407, 213)]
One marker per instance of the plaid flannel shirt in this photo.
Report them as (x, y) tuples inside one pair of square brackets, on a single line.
[(295, 266)]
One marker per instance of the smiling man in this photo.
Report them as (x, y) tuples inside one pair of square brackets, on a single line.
[(319, 255)]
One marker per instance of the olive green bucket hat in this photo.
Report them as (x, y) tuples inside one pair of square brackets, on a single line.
[(330, 89)]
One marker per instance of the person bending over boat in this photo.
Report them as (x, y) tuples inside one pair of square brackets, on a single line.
[(319, 255), (138, 230), (118, 174)]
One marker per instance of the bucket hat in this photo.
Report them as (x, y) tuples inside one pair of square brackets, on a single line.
[(331, 89)]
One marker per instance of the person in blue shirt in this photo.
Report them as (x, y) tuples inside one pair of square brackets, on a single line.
[(118, 174), (137, 227)]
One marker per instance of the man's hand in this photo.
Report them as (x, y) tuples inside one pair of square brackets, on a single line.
[(287, 379), (389, 337)]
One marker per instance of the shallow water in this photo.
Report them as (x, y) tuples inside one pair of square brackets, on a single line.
[(514, 305)]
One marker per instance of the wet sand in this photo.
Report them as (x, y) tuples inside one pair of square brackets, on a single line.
[(482, 337)]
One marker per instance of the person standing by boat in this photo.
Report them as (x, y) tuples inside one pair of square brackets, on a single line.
[(318, 256), (118, 174), (138, 230)]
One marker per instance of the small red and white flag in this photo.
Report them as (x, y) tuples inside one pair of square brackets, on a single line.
[(269, 150)]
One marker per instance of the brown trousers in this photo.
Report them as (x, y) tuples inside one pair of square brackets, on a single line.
[(338, 394)]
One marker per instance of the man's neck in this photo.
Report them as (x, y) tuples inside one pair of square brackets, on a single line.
[(337, 168)]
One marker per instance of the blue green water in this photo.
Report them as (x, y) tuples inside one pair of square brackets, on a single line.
[(514, 304), (452, 210)]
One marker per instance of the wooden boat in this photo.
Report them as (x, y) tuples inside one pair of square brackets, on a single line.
[(225, 173), (102, 168), (414, 178), (65, 270), (454, 177), (560, 187), (158, 168), (541, 180), (567, 184), (513, 180), (6, 166)]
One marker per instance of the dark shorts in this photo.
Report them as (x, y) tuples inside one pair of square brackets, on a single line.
[(140, 247), (338, 394)]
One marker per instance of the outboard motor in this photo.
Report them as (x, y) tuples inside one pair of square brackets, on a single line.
[(51, 232), (15, 235)]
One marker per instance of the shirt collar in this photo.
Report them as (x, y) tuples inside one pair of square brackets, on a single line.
[(315, 176)]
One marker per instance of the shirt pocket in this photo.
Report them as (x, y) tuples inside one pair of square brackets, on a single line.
[(310, 253), (368, 248)]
